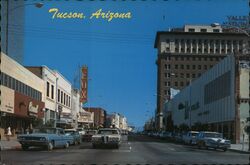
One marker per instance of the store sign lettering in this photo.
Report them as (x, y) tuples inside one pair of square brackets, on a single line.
[(32, 108)]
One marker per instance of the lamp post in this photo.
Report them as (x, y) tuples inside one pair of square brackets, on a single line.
[(237, 61), (37, 5)]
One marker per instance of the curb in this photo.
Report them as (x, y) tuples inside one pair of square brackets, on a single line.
[(239, 151)]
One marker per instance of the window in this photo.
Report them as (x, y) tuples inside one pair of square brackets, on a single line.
[(182, 66), (216, 30), (203, 30), (69, 101), (191, 30), (205, 67), (47, 89), (176, 84), (187, 75), (52, 91), (176, 58), (176, 66), (64, 99), (181, 84), (61, 96), (193, 58), (194, 67), (193, 75), (58, 95), (188, 67), (182, 75), (199, 67), (199, 74)]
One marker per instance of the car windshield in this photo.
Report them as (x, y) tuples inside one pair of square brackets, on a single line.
[(194, 134), (69, 132), (107, 132), (213, 135), (45, 130)]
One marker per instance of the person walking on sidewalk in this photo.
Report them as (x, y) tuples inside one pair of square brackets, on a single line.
[(8, 133)]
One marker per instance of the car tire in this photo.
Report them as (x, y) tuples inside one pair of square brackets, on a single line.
[(66, 145), (25, 148), (50, 146)]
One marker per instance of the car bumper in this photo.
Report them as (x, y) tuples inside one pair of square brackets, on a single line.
[(33, 143), (219, 146), (107, 143)]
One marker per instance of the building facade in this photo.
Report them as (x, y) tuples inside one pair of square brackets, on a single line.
[(12, 29), (99, 116), (22, 96), (185, 54), (57, 95), (85, 119), (218, 99)]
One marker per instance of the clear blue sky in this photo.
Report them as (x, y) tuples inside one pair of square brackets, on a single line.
[(120, 54)]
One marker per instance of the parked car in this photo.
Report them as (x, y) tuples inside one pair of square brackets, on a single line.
[(77, 139), (81, 131), (45, 137), (107, 137), (88, 135), (190, 137), (212, 140), (178, 137)]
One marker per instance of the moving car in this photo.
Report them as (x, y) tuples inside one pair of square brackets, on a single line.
[(88, 135), (212, 140), (107, 137), (75, 135), (190, 137), (48, 138)]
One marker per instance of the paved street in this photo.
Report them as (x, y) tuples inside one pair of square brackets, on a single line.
[(136, 150)]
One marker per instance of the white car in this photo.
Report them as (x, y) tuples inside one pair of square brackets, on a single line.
[(107, 137), (190, 137), (212, 140)]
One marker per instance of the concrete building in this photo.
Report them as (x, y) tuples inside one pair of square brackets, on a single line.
[(85, 119), (184, 54), (21, 96), (12, 29), (58, 95), (218, 99), (99, 116)]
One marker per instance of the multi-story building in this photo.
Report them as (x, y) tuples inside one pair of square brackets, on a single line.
[(219, 99), (99, 116), (185, 54), (76, 106), (12, 25), (85, 119), (58, 95), (21, 96)]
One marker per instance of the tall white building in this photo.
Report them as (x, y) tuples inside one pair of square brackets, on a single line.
[(218, 99)]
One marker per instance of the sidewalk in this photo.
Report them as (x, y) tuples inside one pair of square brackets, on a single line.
[(10, 145), (239, 148)]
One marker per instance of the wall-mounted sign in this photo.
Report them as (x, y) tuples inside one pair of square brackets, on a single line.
[(7, 101), (33, 109), (84, 85), (237, 21)]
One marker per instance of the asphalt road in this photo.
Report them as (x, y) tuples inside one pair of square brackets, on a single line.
[(137, 150)]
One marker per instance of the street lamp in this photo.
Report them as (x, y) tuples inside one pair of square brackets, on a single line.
[(37, 5)]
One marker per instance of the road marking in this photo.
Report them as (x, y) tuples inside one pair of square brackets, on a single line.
[(121, 151), (172, 149)]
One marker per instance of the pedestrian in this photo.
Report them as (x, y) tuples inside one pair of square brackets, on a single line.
[(8, 133)]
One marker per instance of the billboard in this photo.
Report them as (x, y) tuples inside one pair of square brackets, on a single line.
[(84, 85)]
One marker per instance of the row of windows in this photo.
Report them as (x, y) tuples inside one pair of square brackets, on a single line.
[(18, 86), (188, 67), (181, 58), (63, 98), (182, 75), (176, 83), (205, 50), (206, 41)]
